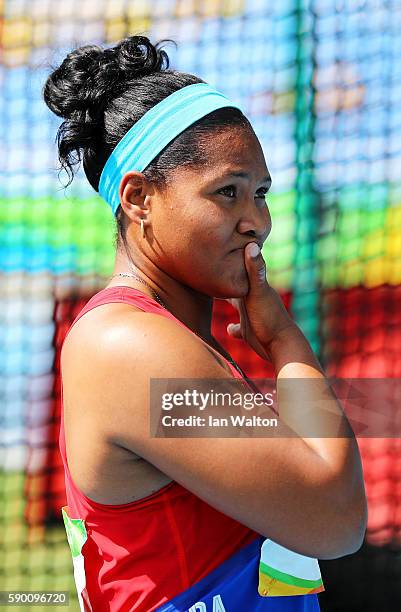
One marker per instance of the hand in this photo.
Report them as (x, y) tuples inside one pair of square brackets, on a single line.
[(262, 313)]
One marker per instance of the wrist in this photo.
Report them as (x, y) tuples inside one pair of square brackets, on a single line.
[(281, 335), (289, 345)]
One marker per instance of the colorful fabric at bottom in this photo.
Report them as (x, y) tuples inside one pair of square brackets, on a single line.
[(233, 587), (77, 536), (285, 572)]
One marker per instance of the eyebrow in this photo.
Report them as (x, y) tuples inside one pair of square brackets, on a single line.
[(266, 179)]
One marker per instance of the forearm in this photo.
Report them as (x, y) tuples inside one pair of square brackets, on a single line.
[(309, 407)]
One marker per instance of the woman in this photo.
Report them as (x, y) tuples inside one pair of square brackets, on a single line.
[(176, 523)]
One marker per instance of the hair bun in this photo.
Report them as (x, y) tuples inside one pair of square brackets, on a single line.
[(137, 56), (89, 77), (82, 87), (66, 91)]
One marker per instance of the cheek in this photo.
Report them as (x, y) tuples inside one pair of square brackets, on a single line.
[(182, 242), (198, 234), (218, 273), (171, 230), (194, 247)]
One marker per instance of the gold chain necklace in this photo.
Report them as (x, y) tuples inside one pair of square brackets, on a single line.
[(138, 278), (162, 303)]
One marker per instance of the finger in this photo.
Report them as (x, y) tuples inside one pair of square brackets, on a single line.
[(234, 330), (256, 267)]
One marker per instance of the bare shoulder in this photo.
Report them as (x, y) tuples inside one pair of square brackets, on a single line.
[(95, 321), (112, 330), (111, 354), (102, 470)]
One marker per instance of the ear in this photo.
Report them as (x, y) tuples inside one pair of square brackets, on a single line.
[(133, 192)]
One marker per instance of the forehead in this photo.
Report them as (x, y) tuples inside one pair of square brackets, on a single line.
[(234, 149), (232, 144)]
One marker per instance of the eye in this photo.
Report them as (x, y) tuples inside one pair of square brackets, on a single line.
[(232, 187), (264, 191)]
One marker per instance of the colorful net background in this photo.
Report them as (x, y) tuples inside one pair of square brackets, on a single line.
[(321, 84)]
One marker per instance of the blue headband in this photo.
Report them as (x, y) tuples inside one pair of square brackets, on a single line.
[(153, 132)]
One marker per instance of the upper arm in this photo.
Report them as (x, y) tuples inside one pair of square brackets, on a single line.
[(254, 480)]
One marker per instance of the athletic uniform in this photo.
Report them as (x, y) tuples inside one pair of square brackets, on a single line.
[(170, 551)]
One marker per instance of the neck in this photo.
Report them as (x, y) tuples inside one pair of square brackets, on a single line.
[(191, 307)]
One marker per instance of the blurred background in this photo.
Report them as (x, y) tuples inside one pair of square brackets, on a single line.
[(321, 83)]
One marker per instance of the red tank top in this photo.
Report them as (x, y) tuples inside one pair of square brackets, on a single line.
[(139, 555)]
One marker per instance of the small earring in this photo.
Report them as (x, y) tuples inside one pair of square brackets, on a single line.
[(142, 228)]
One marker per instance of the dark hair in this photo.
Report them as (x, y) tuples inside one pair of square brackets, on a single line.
[(101, 93)]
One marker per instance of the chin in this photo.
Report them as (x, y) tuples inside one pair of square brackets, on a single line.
[(232, 290)]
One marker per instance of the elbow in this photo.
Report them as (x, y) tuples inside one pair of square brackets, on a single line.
[(348, 528), (330, 529), (357, 520), (346, 504)]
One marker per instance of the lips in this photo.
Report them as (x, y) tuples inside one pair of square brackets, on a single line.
[(243, 247)]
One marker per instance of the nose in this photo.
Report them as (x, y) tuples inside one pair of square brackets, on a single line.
[(255, 221)]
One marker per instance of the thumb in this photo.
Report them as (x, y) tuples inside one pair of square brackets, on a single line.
[(255, 266)]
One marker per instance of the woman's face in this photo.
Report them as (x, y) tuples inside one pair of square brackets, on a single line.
[(207, 216)]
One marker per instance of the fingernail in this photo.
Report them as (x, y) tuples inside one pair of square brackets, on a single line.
[(254, 250)]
